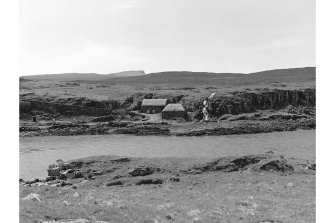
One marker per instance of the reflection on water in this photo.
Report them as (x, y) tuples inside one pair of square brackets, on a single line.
[(36, 153)]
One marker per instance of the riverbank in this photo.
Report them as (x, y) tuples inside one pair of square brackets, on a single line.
[(249, 123), (267, 187), (36, 153)]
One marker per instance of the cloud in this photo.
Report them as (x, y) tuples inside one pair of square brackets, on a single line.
[(113, 35), (126, 4), (91, 57)]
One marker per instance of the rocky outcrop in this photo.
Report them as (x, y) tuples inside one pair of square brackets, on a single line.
[(187, 190), (25, 106), (246, 102), (279, 165), (143, 171), (254, 127), (64, 109), (260, 162), (116, 171), (223, 103)]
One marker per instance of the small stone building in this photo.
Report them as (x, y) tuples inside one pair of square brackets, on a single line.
[(153, 105), (174, 111)]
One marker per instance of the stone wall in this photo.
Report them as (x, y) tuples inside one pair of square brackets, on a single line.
[(174, 114), (149, 109)]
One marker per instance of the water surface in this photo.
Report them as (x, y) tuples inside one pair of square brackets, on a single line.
[(36, 153)]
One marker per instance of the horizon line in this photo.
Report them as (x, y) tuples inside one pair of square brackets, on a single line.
[(168, 71)]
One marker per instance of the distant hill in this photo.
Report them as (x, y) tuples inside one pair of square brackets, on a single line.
[(187, 78), (82, 76), (286, 75), (204, 78)]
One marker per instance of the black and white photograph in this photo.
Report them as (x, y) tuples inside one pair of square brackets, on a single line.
[(158, 111)]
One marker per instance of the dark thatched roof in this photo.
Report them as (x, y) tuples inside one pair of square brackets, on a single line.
[(174, 107), (154, 102)]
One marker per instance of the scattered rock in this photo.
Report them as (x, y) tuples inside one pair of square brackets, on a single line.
[(96, 172), (164, 206), (195, 214), (143, 171), (150, 181), (243, 203), (64, 183), (121, 160), (84, 182), (74, 221), (246, 207), (54, 171), (60, 162), (50, 178), (174, 179), (64, 175), (115, 183), (279, 165), (32, 181), (66, 203), (169, 217), (269, 221), (33, 197), (312, 167), (89, 177), (217, 213), (77, 175), (113, 202), (230, 164)]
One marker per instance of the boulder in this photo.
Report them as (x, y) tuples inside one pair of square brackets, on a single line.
[(33, 197), (278, 165), (32, 181), (115, 183), (312, 167), (55, 171), (148, 96), (143, 171), (66, 174), (50, 178), (150, 181)]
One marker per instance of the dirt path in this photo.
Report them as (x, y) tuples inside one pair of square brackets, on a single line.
[(152, 117)]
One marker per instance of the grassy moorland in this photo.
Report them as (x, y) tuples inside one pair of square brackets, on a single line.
[(190, 84), (279, 99)]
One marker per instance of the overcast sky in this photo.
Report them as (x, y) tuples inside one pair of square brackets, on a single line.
[(106, 36)]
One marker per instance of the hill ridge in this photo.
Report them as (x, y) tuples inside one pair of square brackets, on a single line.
[(303, 74)]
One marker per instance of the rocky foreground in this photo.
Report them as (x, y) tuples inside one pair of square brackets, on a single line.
[(253, 188)]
